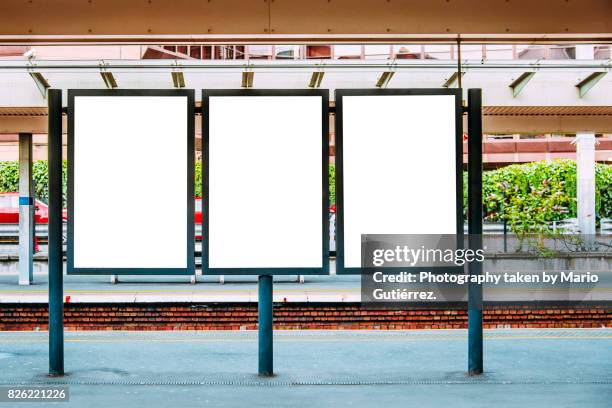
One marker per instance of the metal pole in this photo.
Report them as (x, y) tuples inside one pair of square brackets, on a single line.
[(505, 223), (459, 63), (265, 326), (475, 358), (505, 235), (26, 210), (56, 272)]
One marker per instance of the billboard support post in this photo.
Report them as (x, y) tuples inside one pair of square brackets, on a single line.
[(266, 342), (56, 270), (236, 160), (475, 345)]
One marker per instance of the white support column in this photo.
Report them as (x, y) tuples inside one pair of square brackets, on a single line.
[(26, 210), (585, 51), (585, 184)]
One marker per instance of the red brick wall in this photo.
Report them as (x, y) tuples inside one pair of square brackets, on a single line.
[(168, 316)]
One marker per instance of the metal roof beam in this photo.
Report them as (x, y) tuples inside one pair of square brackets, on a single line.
[(309, 65), (301, 21)]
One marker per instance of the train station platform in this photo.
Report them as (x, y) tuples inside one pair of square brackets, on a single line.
[(321, 302), (535, 368), (153, 289)]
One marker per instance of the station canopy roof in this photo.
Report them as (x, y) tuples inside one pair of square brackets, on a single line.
[(554, 83)]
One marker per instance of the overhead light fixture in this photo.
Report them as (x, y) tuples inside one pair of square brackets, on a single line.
[(589, 82), (519, 83), (384, 79), (109, 79), (178, 79), (41, 83), (315, 79), (247, 79), (452, 79)]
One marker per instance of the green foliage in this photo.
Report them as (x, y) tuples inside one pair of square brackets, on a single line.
[(332, 184), (603, 184), (41, 180), (534, 194), (9, 178), (527, 195), (198, 179)]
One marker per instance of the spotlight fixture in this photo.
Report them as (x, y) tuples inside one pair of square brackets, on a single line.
[(109, 79), (178, 79), (41, 83), (384, 79), (247, 79), (452, 79), (315, 79), (587, 83), (519, 83)]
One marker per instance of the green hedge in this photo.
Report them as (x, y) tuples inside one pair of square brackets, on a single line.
[(541, 191), (9, 178), (332, 184)]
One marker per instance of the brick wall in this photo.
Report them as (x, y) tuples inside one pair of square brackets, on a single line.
[(169, 316)]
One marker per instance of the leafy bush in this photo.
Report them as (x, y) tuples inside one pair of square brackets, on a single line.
[(9, 178), (541, 192), (198, 179), (332, 184), (603, 184), (526, 194)]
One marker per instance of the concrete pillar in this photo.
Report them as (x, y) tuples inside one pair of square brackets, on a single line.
[(585, 51), (585, 183), (26, 210)]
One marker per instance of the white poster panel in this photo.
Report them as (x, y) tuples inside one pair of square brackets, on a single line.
[(265, 182), (400, 170), (130, 182)]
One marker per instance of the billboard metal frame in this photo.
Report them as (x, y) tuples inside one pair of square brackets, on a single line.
[(190, 111), (206, 95), (339, 95), (56, 304)]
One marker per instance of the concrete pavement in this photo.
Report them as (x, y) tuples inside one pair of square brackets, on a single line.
[(135, 289), (534, 368)]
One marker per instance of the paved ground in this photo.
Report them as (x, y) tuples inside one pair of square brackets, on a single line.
[(167, 288), (329, 288), (92, 288), (525, 368)]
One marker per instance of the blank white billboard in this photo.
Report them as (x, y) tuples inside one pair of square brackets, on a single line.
[(400, 168), (130, 203), (265, 182)]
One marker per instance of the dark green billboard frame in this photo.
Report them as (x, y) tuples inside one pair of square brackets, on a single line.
[(56, 301), (190, 198)]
